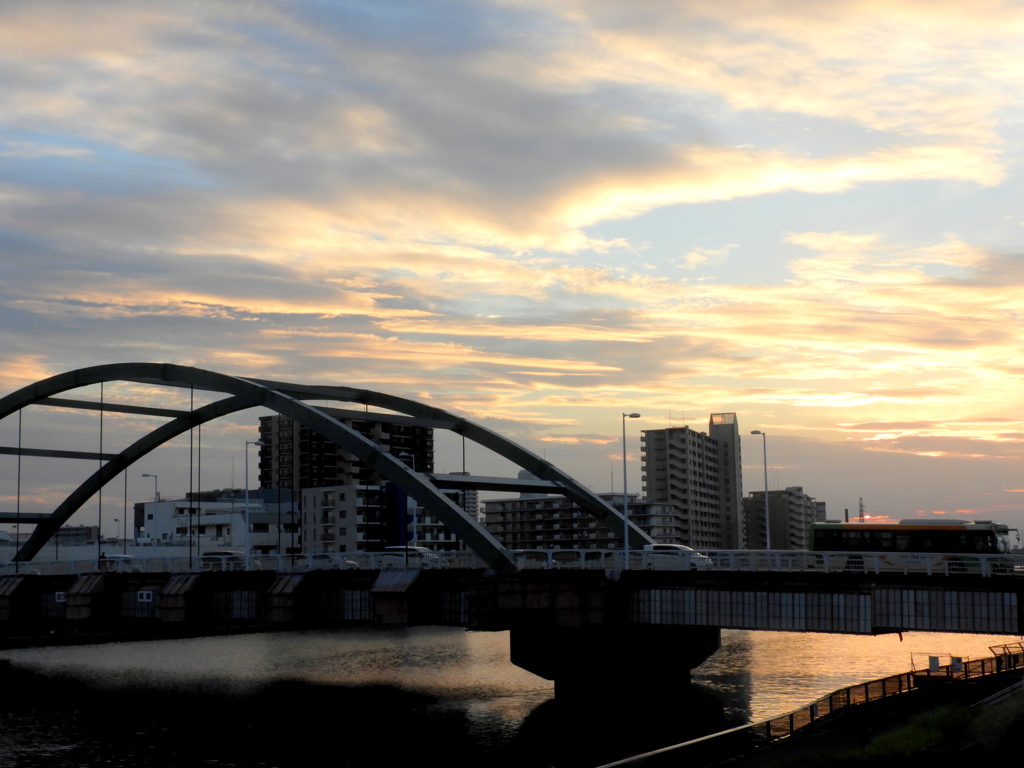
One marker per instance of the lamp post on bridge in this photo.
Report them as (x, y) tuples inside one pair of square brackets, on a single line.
[(767, 525), (625, 497)]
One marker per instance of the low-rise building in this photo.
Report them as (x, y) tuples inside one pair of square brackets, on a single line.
[(536, 521), (216, 520), (368, 518)]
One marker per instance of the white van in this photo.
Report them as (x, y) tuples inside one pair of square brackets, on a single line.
[(667, 556), (119, 563), (408, 557), (222, 560)]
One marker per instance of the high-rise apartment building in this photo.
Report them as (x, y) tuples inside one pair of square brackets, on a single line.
[(347, 505), (296, 457), (698, 475)]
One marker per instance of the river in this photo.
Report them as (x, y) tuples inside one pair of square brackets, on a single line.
[(385, 697)]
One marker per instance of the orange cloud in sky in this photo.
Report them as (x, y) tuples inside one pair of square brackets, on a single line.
[(21, 370), (576, 440)]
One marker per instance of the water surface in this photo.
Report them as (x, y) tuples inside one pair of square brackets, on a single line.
[(383, 696)]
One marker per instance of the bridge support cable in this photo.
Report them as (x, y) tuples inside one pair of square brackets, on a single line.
[(191, 488), (124, 530), (117, 463), (288, 399), (99, 491), (17, 506)]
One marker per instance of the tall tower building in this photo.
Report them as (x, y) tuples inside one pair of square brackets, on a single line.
[(698, 475), (725, 431)]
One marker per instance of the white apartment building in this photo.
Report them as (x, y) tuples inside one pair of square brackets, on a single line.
[(699, 476), (220, 523)]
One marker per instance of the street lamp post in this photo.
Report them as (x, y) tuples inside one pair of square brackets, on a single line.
[(625, 497), (156, 486), (767, 526), (248, 541)]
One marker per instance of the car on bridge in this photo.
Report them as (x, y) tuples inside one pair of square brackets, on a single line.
[(119, 563), (675, 557), (223, 560), (408, 557)]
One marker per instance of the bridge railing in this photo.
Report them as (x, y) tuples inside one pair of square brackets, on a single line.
[(786, 561), (933, 564), (367, 561)]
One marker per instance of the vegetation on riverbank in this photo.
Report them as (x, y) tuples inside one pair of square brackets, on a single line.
[(987, 732)]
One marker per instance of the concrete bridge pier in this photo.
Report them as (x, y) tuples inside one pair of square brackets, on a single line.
[(602, 659)]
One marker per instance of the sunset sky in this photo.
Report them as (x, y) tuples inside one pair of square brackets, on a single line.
[(542, 213)]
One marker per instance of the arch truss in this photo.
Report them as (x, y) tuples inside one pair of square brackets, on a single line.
[(293, 401)]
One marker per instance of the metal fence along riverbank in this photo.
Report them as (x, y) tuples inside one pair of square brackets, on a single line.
[(1005, 658)]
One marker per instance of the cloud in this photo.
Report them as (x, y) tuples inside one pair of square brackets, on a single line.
[(23, 370), (577, 440), (447, 145), (533, 210)]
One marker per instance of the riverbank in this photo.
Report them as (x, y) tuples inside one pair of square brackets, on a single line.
[(912, 728), (897, 716)]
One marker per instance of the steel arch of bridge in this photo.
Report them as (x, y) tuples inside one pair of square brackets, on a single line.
[(288, 400)]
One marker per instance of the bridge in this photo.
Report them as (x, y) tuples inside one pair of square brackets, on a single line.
[(234, 394), (568, 611), (565, 622)]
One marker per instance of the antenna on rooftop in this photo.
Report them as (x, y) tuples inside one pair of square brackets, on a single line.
[(860, 500)]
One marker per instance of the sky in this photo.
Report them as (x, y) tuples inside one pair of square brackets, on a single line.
[(541, 214)]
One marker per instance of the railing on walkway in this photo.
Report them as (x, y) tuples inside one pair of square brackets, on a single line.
[(784, 726), (1005, 658), (933, 564), (783, 561)]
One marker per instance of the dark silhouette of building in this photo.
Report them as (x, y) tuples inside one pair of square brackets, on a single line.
[(347, 505)]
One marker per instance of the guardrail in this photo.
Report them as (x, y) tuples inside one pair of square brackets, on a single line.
[(747, 738), (781, 561)]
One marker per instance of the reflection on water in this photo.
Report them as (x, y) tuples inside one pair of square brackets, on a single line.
[(759, 675), (371, 697)]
